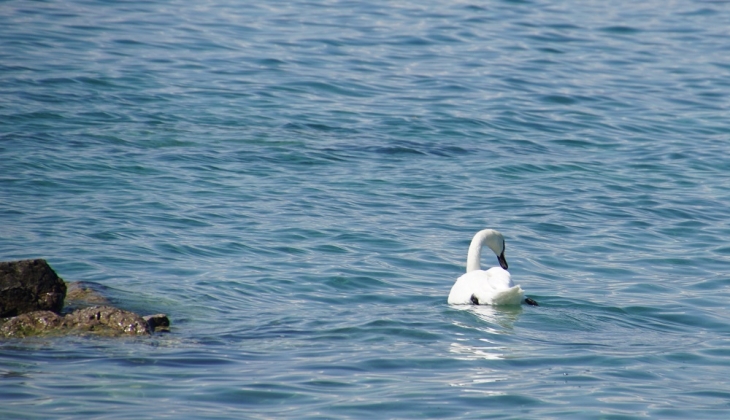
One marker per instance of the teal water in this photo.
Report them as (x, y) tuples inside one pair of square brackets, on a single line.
[(296, 183)]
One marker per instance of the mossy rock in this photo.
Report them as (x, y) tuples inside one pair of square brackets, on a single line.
[(29, 300)]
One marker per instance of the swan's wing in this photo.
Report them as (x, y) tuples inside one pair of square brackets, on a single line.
[(511, 296), (464, 287), (491, 287), (499, 279)]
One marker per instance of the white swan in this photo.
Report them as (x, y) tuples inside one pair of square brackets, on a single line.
[(490, 287)]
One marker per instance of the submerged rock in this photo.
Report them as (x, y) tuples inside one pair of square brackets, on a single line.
[(29, 285), (33, 295), (82, 294)]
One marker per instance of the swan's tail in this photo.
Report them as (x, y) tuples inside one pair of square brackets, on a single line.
[(511, 296)]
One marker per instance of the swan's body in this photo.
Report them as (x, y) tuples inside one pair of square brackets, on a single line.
[(486, 287), (490, 287)]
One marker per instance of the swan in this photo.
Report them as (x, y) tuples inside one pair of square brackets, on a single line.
[(487, 287)]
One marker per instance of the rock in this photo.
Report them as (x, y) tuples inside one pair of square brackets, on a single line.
[(31, 323), (29, 285), (107, 320), (159, 322), (33, 295)]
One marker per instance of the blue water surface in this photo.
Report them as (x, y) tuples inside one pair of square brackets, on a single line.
[(295, 183)]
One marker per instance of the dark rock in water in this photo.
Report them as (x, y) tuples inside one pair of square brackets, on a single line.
[(159, 322), (33, 295), (29, 285)]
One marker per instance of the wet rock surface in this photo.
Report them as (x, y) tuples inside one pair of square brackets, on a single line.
[(158, 322), (29, 285), (29, 297), (31, 323), (97, 320), (107, 320)]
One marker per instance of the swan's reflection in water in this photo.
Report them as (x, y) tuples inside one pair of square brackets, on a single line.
[(493, 323), (466, 352)]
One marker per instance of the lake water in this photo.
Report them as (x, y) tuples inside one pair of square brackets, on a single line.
[(295, 183)]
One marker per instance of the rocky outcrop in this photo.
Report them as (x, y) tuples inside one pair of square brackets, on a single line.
[(103, 318), (29, 293), (97, 320), (29, 285), (31, 323)]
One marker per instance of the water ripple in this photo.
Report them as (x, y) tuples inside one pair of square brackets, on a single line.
[(296, 184)]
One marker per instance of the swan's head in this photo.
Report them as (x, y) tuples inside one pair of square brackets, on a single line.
[(495, 241), (491, 238)]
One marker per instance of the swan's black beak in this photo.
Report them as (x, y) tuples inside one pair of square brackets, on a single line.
[(502, 261)]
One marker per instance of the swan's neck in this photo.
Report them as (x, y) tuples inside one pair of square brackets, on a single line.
[(472, 258), (494, 240)]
